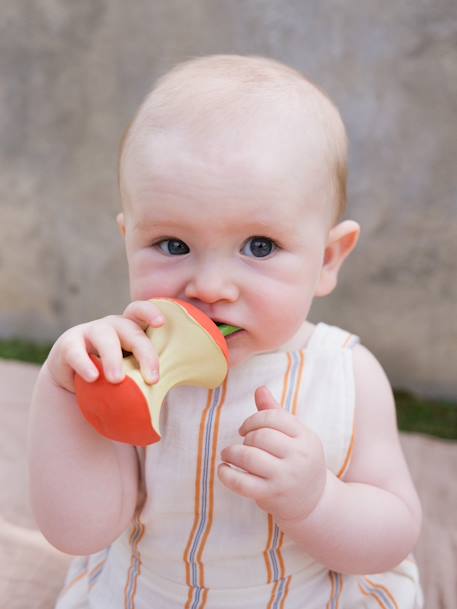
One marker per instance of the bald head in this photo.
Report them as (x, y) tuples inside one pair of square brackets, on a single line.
[(227, 101)]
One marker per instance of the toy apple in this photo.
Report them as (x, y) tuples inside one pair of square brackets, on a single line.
[(192, 351)]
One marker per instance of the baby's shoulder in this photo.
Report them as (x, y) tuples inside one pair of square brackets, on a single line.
[(368, 371), (374, 401)]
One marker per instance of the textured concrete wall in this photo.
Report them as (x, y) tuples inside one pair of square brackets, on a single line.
[(73, 73)]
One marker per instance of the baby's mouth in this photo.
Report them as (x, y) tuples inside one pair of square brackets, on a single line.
[(227, 329)]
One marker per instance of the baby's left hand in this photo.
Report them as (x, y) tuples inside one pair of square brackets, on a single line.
[(281, 461)]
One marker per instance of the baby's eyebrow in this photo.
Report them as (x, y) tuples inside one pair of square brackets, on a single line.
[(148, 223), (279, 227)]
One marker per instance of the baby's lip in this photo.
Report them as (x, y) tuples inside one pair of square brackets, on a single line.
[(219, 321)]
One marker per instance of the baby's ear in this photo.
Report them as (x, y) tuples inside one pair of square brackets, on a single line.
[(121, 223), (342, 239)]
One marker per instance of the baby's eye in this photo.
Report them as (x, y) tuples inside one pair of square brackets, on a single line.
[(173, 247), (258, 247)]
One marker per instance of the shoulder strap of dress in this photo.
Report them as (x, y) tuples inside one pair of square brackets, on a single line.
[(325, 336)]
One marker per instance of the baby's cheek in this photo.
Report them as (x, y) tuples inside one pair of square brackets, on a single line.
[(150, 276), (151, 288), (287, 318)]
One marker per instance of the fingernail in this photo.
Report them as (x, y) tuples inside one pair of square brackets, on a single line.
[(154, 376), (158, 319), (150, 376), (91, 374), (116, 375)]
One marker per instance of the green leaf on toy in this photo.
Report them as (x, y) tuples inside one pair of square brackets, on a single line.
[(226, 329)]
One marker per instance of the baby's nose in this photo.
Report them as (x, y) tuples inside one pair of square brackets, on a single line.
[(210, 284)]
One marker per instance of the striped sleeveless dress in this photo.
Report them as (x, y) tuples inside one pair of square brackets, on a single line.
[(196, 545)]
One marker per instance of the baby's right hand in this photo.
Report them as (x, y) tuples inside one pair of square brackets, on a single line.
[(106, 337)]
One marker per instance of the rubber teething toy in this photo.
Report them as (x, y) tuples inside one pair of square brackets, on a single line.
[(192, 351)]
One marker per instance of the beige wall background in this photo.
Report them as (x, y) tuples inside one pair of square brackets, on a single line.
[(73, 73)]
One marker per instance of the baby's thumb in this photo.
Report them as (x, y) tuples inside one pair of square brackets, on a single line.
[(264, 400)]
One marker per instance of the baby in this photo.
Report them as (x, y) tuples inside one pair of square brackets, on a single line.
[(285, 487)]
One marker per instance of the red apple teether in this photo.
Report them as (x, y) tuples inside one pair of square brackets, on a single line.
[(192, 351)]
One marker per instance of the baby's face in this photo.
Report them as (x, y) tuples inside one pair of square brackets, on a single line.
[(241, 236)]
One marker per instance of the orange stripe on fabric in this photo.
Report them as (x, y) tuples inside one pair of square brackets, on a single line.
[(348, 458), (347, 342), (380, 603), (134, 530), (271, 525), (296, 393), (211, 486), (74, 581), (332, 590), (138, 529), (298, 383), (286, 592), (386, 591), (340, 593), (190, 595), (198, 480), (98, 566), (266, 552), (190, 547), (273, 594), (282, 566), (278, 551), (82, 575), (204, 599), (190, 598), (285, 387)]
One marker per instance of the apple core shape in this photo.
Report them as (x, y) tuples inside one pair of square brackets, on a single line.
[(192, 351)]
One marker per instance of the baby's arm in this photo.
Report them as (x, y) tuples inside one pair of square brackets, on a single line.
[(83, 487), (366, 524)]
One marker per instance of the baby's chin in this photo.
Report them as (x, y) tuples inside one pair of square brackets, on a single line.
[(239, 352), (242, 349), (237, 359)]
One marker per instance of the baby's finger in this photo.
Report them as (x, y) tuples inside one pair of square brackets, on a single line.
[(135, 340), (242, 483), (251, 459), (102, 339), (264, 399), (270, 440), (275, 418), (144, 313), (76, 359)]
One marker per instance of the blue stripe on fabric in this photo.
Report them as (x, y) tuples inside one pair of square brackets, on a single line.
[(204, 497), (209, 433), (273, 553), (293, 380), (95, 573), (279, 594), (337, 590), (135, 570), (380, 594), (134, 574), (197, 593)]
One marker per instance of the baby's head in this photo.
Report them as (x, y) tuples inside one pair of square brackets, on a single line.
[(233, 182), (229, 107)]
